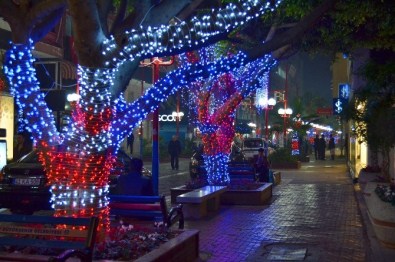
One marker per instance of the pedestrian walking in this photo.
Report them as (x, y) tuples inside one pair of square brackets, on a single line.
[(322, 146), (331, 146), (316, 146), (174, 149), (129, 144)]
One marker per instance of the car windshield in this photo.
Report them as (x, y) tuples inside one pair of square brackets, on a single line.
[(253, 143), (31, 157)]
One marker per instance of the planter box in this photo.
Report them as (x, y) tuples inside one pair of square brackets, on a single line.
[(381, 215), (183, 248), (286, 165), (255, 197), (176, 191)]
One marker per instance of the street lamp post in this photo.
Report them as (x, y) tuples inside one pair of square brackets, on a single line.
[(271, 102), (267, 104), (285, 113), (155, 63)]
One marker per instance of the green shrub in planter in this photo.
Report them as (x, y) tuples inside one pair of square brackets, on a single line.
[(282, 155)]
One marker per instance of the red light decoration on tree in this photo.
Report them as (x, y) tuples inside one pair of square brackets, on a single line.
[(215, 101)]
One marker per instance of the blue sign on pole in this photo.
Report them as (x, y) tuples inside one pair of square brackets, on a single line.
[(344, 91), (338, 105)]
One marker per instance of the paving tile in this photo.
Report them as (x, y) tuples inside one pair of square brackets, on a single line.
[(322, 216)]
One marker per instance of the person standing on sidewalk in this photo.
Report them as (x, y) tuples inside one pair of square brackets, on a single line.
[(174, 149), (322, 146), (331, 147), (129, 144), (316, 146)]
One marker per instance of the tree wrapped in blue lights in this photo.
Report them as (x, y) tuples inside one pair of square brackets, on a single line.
[(214, 101), (79, 161)]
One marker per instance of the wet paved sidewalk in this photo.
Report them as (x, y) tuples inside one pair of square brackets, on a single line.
[(313, 216)]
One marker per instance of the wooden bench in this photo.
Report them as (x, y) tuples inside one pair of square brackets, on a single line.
[(241, 171), (146, 208), (199, 202), (70, 237)]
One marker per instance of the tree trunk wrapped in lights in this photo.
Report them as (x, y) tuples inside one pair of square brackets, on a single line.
[(78, 163), (214, 101)]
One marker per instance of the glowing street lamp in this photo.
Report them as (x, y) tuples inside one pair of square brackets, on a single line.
[(285, 113), (268, 104)]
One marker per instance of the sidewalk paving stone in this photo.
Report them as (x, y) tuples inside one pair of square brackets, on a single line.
[(315, 209)]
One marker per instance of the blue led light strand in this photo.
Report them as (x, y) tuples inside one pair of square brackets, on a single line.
[(168, 40), (21, 75), (217, 169)]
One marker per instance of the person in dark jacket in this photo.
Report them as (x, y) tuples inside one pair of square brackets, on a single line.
[(322, 146), (174, 149), (134, 183), (316, 146), (129, 143)]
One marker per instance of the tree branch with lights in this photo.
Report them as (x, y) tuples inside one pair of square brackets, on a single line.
[(78, 162), (214, 101)]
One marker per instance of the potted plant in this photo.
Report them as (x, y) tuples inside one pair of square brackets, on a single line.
[(282, 158), (380, 202)]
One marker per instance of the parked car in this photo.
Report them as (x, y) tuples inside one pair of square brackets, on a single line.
[(251, 146), (23, 184), (196, 165)]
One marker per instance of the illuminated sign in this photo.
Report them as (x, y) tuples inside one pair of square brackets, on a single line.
[(295, 145), (169, 118), (344, 91), (338, 105), (326, 111)]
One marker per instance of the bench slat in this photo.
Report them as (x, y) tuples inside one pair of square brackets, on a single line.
[(41, 243), (135, 206), (137, 213), (22, 257), (45, 220), (80, 245), (59, 232), (146, 208), (134, 199)]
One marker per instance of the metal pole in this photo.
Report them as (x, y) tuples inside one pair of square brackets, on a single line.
[(266, 123), (285, 104), (155, 63), (178, 112), (155, 137), (141, 126)]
